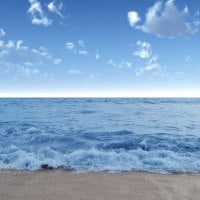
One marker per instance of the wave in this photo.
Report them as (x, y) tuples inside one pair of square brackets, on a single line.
[(100, 151)]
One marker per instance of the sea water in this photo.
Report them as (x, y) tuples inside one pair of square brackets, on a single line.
[(107, 134)]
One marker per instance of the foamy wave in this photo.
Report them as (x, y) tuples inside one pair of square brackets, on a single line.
[(100, 160)]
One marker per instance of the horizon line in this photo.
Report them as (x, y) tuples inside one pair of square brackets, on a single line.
[(105, 94)]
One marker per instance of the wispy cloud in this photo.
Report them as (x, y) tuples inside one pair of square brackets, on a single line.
[(2, 33), (56, 61), (143, 50), (28, 72), (17, 58), (164, 19), (121, 64), (55, 8), (188, 58), (145, 53), (93, 76)]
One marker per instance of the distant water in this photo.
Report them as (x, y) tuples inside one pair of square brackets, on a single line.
[(157, 135)]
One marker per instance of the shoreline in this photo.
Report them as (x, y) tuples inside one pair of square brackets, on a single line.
[(61, 184)]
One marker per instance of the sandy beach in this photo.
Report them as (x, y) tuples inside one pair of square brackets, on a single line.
[(62, 185)]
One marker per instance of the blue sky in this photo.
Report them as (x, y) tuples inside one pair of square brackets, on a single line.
[(99, 48)]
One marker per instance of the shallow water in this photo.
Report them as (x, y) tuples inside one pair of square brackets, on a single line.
[(160, 135)]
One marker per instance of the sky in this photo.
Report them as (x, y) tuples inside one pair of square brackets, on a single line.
[(101, 48)]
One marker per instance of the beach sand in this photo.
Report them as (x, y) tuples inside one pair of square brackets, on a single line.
[(63, 185)]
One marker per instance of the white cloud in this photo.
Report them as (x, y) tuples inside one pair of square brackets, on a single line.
[(1, 43), (151, 67), (10, 44), (145, 53), (55, 8), (70, 46), (155, 67), (111, 62), (164, 19), (97, 56), (20, 70), (38, 15), (2, 32), (46, 56), (19, 45), (133, 18), (144, 50), (18, 59), (77, 48), (83, 52)]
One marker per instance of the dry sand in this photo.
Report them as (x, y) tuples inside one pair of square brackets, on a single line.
[(62, 185)]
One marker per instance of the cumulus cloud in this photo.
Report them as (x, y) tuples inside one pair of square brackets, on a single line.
[(133, 18), (2, 33), (37, 13), (164, 19), (55, 8)]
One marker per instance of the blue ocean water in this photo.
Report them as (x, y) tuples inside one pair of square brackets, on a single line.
[(157, 135)]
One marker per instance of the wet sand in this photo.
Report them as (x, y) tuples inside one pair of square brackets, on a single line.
[(63, 185)]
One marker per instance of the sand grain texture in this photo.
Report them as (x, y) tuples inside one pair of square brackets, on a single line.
[(62, 185)]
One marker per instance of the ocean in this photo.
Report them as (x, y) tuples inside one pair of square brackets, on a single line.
[(101, 134)]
